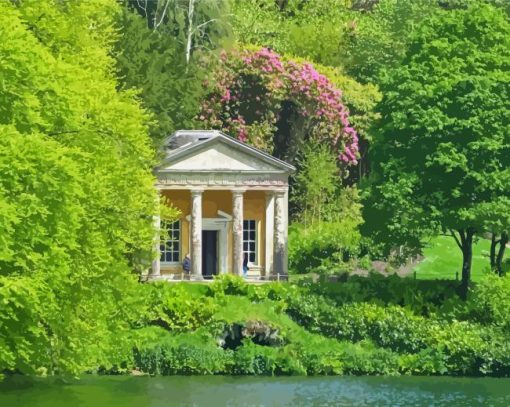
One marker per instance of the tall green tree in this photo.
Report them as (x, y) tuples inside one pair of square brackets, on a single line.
[(310, 29), (315, 184), (160, 52), (325, 233), (77, 197), (443, 153), (379, 33)]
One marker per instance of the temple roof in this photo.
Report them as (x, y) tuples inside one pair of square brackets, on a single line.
[(214, 151)]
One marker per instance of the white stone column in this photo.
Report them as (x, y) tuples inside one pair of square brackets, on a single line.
[(280, 242), (196, 234), (269, 233), (156, 262), (237, 231)]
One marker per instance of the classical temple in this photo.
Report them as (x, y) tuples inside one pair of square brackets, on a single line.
[(233, 203)]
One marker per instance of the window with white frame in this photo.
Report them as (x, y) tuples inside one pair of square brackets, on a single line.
[(170, 245), (250, 240)]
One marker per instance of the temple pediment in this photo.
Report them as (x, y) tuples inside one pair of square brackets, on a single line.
[(218, 153)]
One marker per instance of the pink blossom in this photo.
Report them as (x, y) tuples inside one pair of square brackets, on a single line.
[(289, 80), (226, 96)]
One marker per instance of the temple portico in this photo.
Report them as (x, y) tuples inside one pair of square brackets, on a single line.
[(233, 201)]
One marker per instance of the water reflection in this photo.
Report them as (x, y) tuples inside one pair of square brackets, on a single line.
[(255, 391)]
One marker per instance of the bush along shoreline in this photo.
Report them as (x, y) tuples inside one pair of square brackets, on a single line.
[(363, 326)]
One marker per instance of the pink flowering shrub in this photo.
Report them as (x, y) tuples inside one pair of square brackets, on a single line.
[(251, 89)]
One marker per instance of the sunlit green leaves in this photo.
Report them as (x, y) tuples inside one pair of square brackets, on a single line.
[(445, 125), (77, 195)]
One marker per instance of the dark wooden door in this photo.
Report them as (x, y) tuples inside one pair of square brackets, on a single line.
[(209, 253)]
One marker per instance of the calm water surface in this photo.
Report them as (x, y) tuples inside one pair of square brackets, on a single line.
[(112, 391)]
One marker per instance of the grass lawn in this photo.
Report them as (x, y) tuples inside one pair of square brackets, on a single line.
[(443, 259)]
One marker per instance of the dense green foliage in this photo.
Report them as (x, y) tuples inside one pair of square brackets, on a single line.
[(148, 63), (85, 86), (328, 245), (443, 150), (309, 29), (151, 57), (76, 189), (363, 37), (377, 40), (371, 325)]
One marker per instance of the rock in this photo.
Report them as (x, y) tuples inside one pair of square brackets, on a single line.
[(136, 372)]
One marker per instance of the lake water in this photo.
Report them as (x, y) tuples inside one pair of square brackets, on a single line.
[(112, 391)]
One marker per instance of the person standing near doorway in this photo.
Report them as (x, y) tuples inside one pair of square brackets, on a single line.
[(245, 265), (186, 265)]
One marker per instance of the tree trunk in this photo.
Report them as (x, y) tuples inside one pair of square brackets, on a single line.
[(501, 253), (466, 238), (494, 244), (189, 35)]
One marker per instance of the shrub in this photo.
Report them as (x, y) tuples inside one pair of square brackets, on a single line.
[(174, 308), (228, 284), (366, 359), (254, 359), (490, 302), (428, 361), (468, 349), (253, 89), (185, 354), (422, 297), (321, 361), (431, 345), (393, 327), (322, 247), (329, 334), (500, 358)]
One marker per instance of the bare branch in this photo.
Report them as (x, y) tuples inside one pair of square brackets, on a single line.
[(198, 27), (142, 7), (189, 37), (156, 25), (203, 47), (452, 233)]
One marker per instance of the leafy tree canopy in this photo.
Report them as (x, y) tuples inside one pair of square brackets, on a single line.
[(378, 38), (159, 53), (77, 191), (327, 216), (443, 155), (310, 29)]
